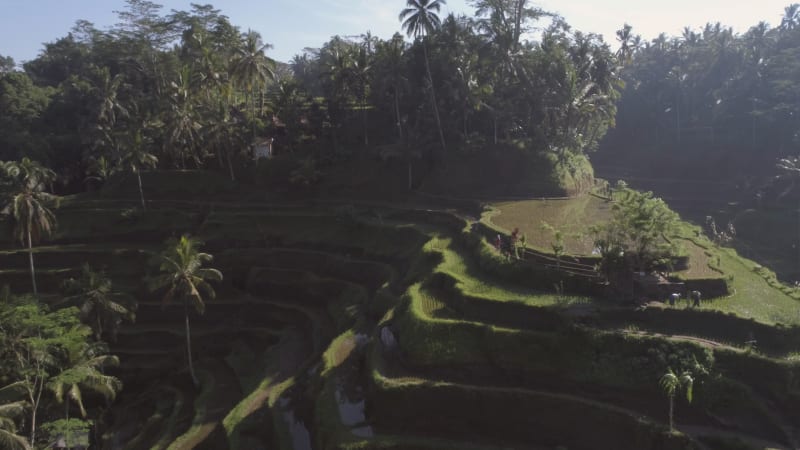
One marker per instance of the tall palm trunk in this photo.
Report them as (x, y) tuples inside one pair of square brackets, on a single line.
[(141, 191), (400, 135), (253, 112), (34, 401), (433, 98), (230, 164), (189, 345), (30, 261), (364, 119), (397, 113), (671, 409)]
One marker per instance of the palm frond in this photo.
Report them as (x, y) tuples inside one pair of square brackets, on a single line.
[(13, 392), (12, 410), (11, 441), (209, 274), (75, 395)]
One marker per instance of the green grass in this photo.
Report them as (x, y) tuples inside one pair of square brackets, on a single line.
[(473, 283), (753, 296), (572, 216), (700, 262), (200, 409), (339, 350)]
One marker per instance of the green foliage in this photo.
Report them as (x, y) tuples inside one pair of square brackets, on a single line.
[(22, 104), (557, 245), (25, 199), (101, 307), (74, 432), (641, 226), (48, 350), (306, 175), (182, 274)]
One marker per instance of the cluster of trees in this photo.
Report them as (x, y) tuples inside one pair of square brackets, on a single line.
[(52, 360), (638, 235), (464, 82), (735, 96), (53, 350), (174, 90), (190, 89)]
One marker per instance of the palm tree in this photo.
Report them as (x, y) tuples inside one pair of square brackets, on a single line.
[(791, 17), (85, 362), (671, 383), (419, 19), (137, 158), (107, 91), (184, 278), (101, 308), (223, 135), (626, 49), (360, 71), (182, 120), (27, 204), (250, 67)]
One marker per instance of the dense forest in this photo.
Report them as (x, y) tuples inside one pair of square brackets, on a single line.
[(195, 91), (190, 92), (711, 101)]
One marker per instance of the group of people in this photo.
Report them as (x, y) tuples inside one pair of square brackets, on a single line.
[(510, 246), (695, 297)]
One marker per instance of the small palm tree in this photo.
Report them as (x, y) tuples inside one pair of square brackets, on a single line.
[(671, 383), (185, 279), (85, 374), (137, 158), (101, 308), (27, 203), (99, 170)]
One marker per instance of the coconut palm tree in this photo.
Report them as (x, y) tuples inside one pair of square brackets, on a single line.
[(27, 204), (182, 274), (791, 17), (107, 91), (101, 308), (223, 135), (419, 19), (182, 119), (136, 158), (671, 383), (251, 68), (626, 49)]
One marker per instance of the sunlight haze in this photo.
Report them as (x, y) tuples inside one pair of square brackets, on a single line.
[(290, 25)]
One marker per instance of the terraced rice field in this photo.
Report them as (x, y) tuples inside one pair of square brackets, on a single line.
[(385, 329)]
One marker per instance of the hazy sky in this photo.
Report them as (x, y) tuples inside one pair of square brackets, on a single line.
[(291, 25)]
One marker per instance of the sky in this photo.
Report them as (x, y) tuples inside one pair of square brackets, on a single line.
[(291, 25)]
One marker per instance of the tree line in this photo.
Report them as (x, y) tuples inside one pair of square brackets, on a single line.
[(712, 96), (194, 91)]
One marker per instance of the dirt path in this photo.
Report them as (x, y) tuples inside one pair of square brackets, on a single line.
[(679, 337)]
